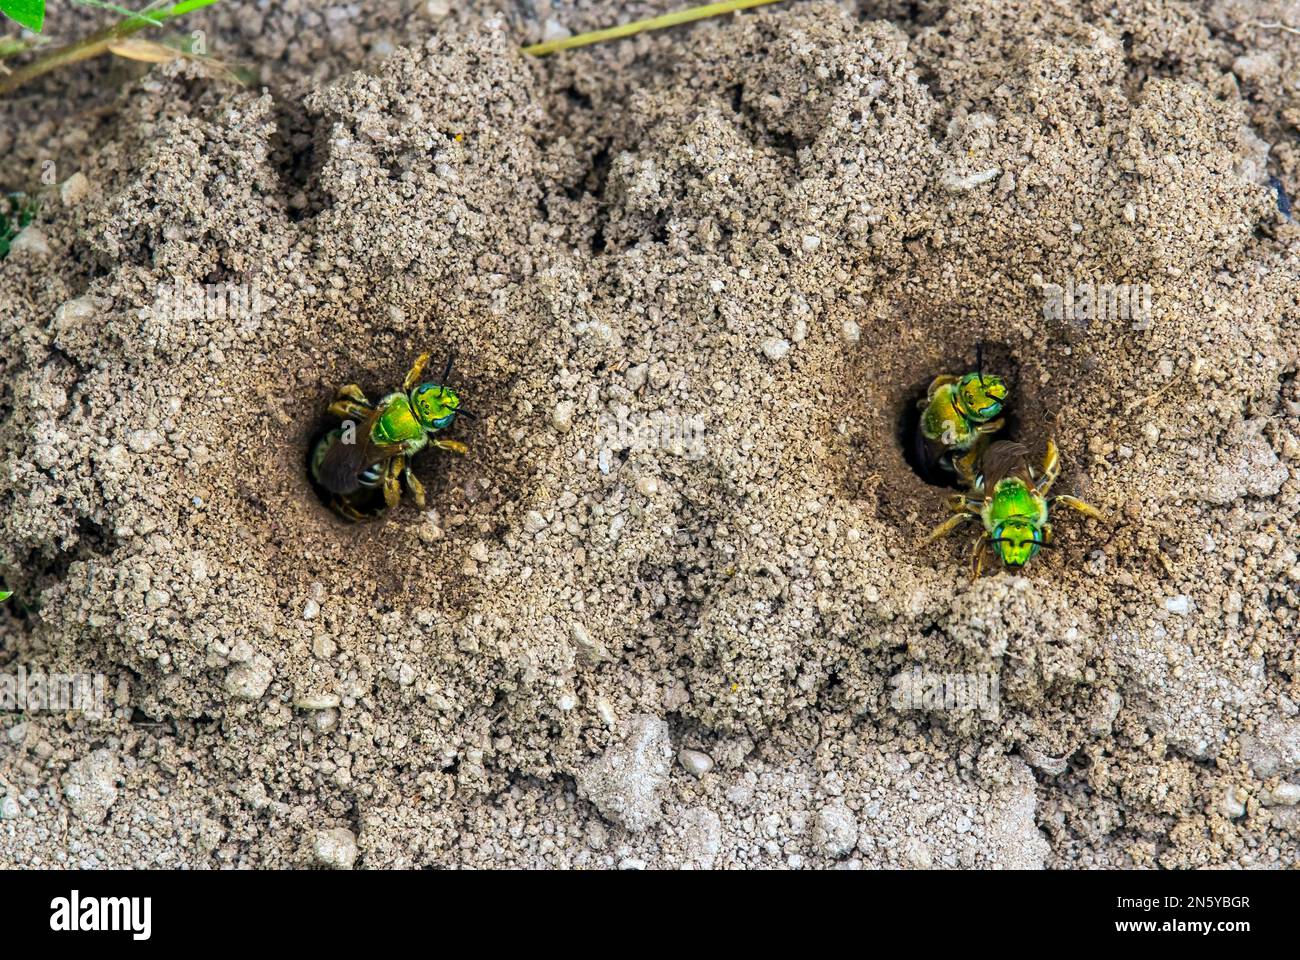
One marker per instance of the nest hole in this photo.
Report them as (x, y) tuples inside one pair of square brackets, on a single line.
[(998, 360)]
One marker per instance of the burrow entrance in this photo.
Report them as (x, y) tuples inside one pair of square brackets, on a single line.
[(998, 360), (875, 386)]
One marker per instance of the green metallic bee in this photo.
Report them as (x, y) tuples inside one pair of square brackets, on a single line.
[(958, 417), (1010, 499), (359, 463)]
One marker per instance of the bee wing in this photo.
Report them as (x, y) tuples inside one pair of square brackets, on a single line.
[(1004, 458), (928, 456), (340, 468)]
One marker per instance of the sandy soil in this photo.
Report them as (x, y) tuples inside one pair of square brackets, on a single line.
[(659, 615)]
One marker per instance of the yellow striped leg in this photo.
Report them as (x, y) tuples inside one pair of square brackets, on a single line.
[(413, 375)]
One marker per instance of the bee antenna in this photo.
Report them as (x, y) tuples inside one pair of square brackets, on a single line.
[(465, 413), (446, 374), (979, 361)]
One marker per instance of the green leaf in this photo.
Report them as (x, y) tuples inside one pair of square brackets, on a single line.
[(5, 595), (27, 13), (17, 210)]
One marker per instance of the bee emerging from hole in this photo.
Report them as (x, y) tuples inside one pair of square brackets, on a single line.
[(359, 464), (1010, 499), (958, 417)]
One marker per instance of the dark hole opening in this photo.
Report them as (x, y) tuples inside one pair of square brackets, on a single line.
[(923, 458)]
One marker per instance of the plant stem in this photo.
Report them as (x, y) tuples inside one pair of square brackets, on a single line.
[(654, 23), (94, 45)]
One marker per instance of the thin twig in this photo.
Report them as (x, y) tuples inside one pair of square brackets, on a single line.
[(654, 23), (1272, 25), (94, 45)]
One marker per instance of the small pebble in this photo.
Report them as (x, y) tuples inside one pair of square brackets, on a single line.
[(554, 30), (775, 348), (249, 681), (635, 377), (335, 849), (30, 241), (74, 189), (562, 416), (605, 710), (317, 701), (696, 762), (1234, 804), (836, 830), (1285, 795), (918, 855)]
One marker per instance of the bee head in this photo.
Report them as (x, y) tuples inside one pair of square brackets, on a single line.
[(1016, 542), (435, 406), (981, 395)]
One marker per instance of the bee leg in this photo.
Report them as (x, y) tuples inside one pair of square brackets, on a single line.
[(350, 391), (977, 556), (948, 526), (965, 465), (940, 381), (345, 509), (413, 375), (1051, 467), (415, 486), (452, 446), (1074, 503), (349, 410), (392, 488), (961, 504)]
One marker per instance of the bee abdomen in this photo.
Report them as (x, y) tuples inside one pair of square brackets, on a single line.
[(368, 478)]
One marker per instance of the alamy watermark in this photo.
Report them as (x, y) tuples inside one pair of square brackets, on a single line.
[(75, 913), (636, 432), (35, 691), (210, 301), (923, 690), (1084, 302)]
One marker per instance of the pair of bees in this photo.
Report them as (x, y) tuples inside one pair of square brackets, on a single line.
[(1006, 494), (362, 464)]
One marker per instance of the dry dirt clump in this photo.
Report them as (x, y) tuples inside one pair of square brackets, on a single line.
[(669, 609)]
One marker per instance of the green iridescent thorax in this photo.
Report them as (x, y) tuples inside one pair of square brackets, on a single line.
[(398, 424), (1015, 517), (944, 421), (435, 405), (979, 396)]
